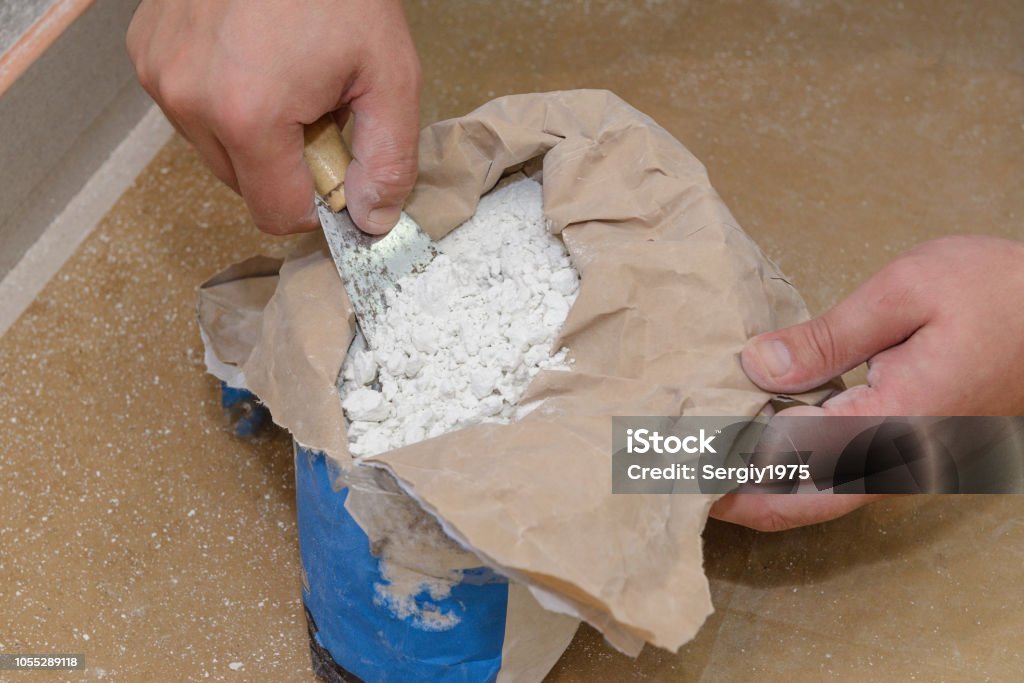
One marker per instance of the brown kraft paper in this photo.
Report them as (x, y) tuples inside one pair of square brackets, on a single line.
[(670, 290)]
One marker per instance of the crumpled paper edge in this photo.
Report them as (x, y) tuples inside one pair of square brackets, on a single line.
[(501, 135)]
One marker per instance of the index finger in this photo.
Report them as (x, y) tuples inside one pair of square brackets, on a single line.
[(273, 178)]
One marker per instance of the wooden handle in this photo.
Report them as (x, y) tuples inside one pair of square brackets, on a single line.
[(328, 159)]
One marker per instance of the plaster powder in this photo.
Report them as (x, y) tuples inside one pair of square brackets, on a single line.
[(458, 345), (462, 339)]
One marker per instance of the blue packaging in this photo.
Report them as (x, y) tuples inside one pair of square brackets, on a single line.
[(363, 634)]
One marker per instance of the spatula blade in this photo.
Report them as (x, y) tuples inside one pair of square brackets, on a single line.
[(371, 265)]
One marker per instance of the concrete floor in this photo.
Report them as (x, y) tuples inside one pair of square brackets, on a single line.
[(136, 530)]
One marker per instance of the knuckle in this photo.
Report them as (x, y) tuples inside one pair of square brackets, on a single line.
[(901, 390), (238, 117), (271, 224), (913, 264), (177, 92), (393, 176), (279, 222), (900, 282), (132, 47), (145, 78), (899, 275), (143, 71), (820, 342)]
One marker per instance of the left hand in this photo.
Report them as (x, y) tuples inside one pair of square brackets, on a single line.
[(942, 331)]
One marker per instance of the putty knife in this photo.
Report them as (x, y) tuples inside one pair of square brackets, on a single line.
[(369, 265)]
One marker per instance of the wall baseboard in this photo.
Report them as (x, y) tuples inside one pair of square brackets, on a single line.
[(61, 119), (68, 229), (75, 131)]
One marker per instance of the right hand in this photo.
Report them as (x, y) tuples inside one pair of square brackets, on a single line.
[(240, 78)]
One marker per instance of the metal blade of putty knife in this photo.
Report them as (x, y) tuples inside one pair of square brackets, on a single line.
[(369, 265)]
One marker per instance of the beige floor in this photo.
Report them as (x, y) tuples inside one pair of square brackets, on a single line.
[(136, 530)]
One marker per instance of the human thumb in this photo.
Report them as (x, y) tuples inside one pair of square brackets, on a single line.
[(806, 355), (385, 133)]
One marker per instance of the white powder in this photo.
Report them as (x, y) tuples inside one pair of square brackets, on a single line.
[(412, 596), (462, 339), (419, 564)]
